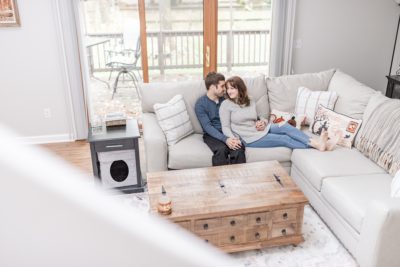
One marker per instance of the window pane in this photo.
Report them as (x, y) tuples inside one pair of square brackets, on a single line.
[(243, 36)]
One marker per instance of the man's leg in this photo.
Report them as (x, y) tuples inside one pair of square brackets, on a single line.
[(219, 149), (237, 156)]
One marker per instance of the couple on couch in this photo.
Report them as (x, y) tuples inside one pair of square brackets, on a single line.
[(231, 125)]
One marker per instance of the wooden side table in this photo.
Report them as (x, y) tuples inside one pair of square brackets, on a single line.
[(393, 86), (115, 157)]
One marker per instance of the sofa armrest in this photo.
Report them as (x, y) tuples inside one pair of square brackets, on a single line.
[(380, 235), (155, 144)]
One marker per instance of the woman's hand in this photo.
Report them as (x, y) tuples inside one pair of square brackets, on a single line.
[(260, 125)]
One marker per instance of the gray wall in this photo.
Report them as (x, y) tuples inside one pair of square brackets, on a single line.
[(32, 75), (356, 36)]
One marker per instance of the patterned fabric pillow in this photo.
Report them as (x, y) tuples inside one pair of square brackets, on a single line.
[(308, 101), (335, 123), (281, 117), (173, 119)]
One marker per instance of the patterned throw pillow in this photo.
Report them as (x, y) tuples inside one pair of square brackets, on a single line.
[(281, 117), (174, 119), (308, 101), (335, 123)]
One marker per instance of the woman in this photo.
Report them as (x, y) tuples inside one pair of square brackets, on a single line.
[(239, 119)]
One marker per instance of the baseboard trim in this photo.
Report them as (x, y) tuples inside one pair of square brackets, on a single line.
[(44, 139)]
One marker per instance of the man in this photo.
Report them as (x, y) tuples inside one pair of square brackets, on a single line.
[(226, 150)]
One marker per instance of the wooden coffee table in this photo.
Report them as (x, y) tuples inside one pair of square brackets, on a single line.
[(236, 207)]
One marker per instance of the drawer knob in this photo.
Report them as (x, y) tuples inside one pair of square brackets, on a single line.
[(285, 216), (283, 231), (205, 226), (232, 238), (233, 222), (206, 240), (257, 235), (258, 220)]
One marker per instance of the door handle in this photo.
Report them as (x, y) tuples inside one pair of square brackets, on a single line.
[(207, 56)]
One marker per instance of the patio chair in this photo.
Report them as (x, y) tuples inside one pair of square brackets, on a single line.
[(125, 62)]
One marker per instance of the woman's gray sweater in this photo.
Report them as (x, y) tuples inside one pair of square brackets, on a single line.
[(240, 121)]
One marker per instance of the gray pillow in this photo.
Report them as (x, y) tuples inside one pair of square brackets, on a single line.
[(282, 91)]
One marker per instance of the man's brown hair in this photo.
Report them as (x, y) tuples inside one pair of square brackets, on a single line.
[(213, 78), (238, 83)]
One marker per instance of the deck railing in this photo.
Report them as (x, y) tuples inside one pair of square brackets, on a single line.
[(184, 49)]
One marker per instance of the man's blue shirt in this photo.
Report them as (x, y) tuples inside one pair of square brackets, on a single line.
[(207, 112)]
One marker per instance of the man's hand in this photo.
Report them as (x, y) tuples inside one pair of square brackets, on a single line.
[(260, 125), (233, 143)]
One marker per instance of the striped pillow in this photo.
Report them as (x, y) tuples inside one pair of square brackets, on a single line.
[(308, 102), (174, 119)]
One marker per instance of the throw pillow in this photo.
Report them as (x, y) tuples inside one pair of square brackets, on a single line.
[(335, 123), (174, 119), (308, 102), (281, 117), (395, 187)]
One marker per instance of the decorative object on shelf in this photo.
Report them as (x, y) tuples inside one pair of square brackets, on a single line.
[(115, 157), (9, 16), (393, 86), (164, 203), (115, 119)]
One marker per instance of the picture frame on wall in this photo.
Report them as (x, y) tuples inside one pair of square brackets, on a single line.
[(9, 16)]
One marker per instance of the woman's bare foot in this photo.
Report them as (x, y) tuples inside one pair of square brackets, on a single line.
[(324, 135), (332, 142), (318, 143)]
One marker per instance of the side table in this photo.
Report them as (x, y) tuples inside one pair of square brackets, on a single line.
[(115, 157), (393, 86)]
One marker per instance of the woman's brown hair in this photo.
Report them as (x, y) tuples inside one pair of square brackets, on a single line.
[(238, 83)]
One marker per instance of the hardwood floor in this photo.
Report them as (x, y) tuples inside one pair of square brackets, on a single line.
[(77, 153)]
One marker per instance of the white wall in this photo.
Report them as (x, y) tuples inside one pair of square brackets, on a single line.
[(32, 75), (356, 36)]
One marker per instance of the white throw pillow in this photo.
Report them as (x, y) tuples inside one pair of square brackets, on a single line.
[(308, 102), (174, 119), (395, 188)]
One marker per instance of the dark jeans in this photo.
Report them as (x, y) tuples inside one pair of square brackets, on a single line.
[(222, 153)]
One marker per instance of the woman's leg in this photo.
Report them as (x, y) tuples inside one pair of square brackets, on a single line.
[(276, 140), (291, 131)]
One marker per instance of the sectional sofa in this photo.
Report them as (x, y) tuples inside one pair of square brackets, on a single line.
[(350, 192)]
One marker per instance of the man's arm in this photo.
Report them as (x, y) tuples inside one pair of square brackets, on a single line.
[(206, 123)]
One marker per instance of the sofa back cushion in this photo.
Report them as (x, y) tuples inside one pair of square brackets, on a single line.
[(353, 96), (162, 92), (282, 91)]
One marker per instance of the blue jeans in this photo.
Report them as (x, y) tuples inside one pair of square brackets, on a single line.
[(286, 135)]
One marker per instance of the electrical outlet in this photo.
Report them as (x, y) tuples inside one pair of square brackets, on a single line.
[(47, 113)]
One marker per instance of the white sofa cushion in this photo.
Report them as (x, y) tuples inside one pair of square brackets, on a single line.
[(153, 93), (199, 154), (316, 165), (282, 91), (173, 119), (395, 186), (308, 101), (257, 89), (351, 195), (353, 95), (190, 152)]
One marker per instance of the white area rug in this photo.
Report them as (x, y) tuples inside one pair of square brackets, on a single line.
[(320, 248)]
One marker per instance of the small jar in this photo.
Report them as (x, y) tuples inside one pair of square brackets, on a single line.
[(164, 203)]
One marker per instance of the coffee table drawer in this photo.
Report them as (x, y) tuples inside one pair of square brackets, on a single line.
[(212, 239), (284, 215), (231, 238), (283, 229), (207, 225), (233, 221), (184, 224), (257, 234), (258, 218)]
